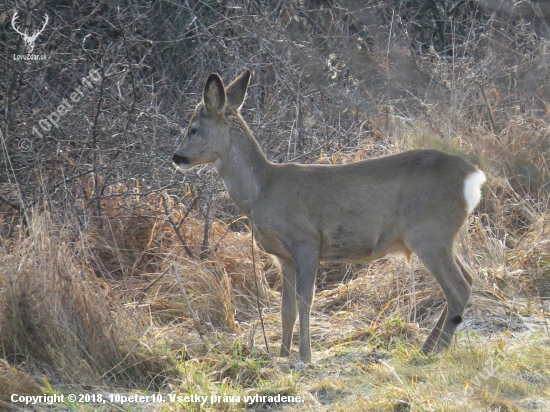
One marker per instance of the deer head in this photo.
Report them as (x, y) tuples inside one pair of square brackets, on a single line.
[(29, 40), (208, 136)]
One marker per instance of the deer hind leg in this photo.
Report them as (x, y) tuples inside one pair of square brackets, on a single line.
[(289, 310), (462, 290), (438, 258), (433, 338), (465, 272)]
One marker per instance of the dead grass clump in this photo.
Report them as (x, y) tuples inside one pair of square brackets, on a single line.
[(13, 380), (138, 238), (217, 288), (210, 294), (529, 260), (133, 236), (138, 243), (57, 318)]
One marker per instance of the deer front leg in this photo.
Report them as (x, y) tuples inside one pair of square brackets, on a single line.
[(305, 259), (289, 311)]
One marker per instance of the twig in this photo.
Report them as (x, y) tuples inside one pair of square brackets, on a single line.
[(258, 296), (413, 292), (22, 211), (128, 58), (132, 80), (182, 240), (321, 147), (489, 109), (188, 211), (15, 206), (96, 148), (68, 179), (392, 370), (540, 296), (146, 288), (177, 230), (227, 229), (193, 315), (204, 250)]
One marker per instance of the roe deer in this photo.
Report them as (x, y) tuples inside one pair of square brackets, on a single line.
[(415, 201)]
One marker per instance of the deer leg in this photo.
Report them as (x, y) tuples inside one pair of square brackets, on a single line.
[(289, 310), (470, 279), (464, 290), (465, 272), (305, 259), (433, 338), (434, 335), (439, 260)]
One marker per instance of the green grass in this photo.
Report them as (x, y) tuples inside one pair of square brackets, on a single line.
[(506, 372)]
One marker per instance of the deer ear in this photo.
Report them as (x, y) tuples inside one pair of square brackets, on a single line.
[(213, 95), (236, 91)]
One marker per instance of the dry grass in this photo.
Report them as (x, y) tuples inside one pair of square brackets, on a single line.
[(60, 320)]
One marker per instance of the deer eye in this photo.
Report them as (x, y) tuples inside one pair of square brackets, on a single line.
[(193, 131)]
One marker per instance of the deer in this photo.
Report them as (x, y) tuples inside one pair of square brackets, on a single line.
[(415, 201), (29, 40)]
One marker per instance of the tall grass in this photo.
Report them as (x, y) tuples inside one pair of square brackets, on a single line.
[(59, 319)]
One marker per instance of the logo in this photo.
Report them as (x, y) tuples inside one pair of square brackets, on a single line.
[(28, 39)]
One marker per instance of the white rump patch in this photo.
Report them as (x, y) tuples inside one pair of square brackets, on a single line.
[(472, 189)]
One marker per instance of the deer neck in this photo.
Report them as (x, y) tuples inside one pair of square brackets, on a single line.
[(244, 170)]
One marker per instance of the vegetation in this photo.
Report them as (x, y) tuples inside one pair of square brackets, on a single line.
[(93, 215)]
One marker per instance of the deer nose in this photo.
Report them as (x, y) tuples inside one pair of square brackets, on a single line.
[(180, 159)]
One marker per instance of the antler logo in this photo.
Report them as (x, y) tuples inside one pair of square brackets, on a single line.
[(29, 40)]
